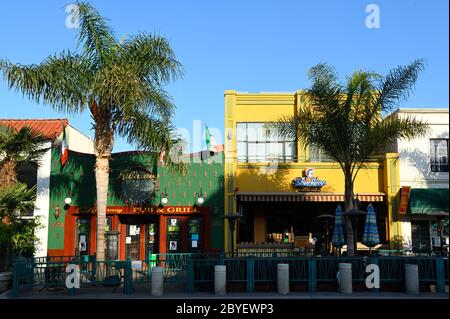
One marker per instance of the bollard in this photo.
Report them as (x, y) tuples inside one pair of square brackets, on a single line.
[(283, 278), (220, 280), (345, 278), (157, 281), (412, 278)]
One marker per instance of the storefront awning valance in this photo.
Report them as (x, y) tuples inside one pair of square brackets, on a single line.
[(428, 201), (306, 197)]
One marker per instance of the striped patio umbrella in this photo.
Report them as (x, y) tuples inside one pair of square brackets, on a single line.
[(370, 235), (338, 231)]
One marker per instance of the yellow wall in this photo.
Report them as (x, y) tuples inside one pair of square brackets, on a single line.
[(259, 177)]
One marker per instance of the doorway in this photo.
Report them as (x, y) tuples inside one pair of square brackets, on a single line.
[(141, 237), (421, 237)]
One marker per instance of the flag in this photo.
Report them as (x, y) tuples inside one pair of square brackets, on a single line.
[(210, 142), (161, 156), (64, 148)]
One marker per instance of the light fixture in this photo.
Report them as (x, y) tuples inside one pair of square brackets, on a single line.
[(57, 212), (199, 199), (164, 199), (67, 200)]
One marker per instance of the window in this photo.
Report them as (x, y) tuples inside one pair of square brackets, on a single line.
[(317, 155), (420, 236), (255, 145), (439, 154), (27, 174)]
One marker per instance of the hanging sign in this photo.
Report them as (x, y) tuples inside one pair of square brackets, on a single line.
[(404, 199), (308, 182)]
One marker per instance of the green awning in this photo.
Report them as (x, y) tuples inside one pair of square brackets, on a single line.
[(428, 201)]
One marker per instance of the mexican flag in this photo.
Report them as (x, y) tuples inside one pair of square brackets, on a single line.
[(64, 148), (210, 142), (161, 156)]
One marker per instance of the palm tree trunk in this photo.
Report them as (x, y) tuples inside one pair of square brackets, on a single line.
[(349, 206), (8, 175), (102, 180), (104, 140)]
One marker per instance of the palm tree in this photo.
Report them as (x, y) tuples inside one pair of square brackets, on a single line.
[(15, 198), (346, 120), (121, 83), (24, 146)]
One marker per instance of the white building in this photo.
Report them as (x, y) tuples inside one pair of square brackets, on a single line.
[(52, 129), (424, 167)]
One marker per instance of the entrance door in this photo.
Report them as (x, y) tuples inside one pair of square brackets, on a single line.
[(82, 239), (151, 241), (420, 233), (132, 242), (174, 235), (184, 234), (195, 240)]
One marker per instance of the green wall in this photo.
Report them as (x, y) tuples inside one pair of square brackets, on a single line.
[(77, 181)]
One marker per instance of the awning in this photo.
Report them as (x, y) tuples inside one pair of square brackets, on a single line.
[(306, 197), (428, 201)]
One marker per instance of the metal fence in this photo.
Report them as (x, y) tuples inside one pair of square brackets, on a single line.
[(196, 271)]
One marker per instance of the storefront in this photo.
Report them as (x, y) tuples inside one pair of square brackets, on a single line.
[(282, 195), (425, 219), (151, 209), (138, 232), (299, 222)]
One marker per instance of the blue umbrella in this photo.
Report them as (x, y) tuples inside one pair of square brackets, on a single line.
[(370, 236), (338, 231)]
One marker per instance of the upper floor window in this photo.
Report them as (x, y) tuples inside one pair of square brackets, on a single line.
[(254, 144), (27, 174), (439, 154), (317, 154)]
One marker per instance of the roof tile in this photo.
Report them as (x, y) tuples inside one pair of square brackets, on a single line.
[(50, 128)]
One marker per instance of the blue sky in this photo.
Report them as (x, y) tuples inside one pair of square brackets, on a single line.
[(253, 45)]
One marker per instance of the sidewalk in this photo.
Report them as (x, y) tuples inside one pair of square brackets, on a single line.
[(92, 294)]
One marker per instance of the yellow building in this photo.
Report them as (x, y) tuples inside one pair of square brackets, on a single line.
[(260, 169)]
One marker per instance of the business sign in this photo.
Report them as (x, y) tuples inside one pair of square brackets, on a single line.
[(308, 182), (166, 210), (137, 186), (404, 199)]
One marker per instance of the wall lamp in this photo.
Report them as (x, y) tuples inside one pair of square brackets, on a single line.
[(67, 202), (164, 199), (200, 199)]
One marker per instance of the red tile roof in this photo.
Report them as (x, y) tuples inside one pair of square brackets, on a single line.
[(50, 128)]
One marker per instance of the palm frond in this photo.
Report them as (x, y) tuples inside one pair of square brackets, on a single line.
[(61, 81), (23, 146), (16, 198), (151, 58), (390, 130), (95, 36), (398, 84)]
